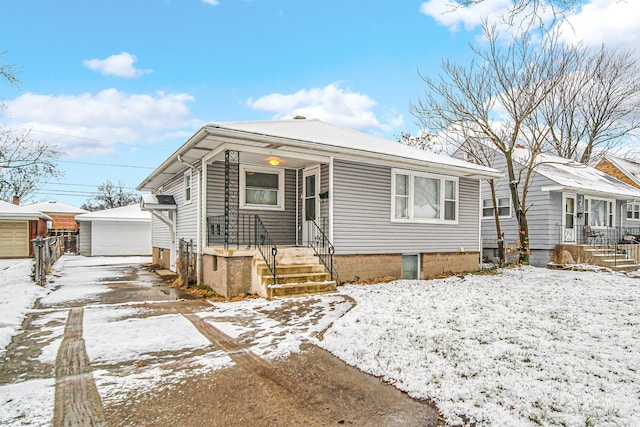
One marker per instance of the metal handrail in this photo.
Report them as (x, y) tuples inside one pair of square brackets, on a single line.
[(250, 231), (321, 245), (267, 247)]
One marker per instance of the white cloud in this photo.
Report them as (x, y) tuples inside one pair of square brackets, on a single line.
[(613, 22), (211, 2), (120, 65), (331, 104), (446, 13), (92, 124)]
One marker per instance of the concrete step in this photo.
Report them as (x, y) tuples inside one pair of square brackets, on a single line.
[(263, 270), (298, 289), (625, 267), (297, 278)]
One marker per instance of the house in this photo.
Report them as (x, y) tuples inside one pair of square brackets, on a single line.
[(18, 226), (119, 231), (63, 223), (563, 197), (623, 169), (284, 206)]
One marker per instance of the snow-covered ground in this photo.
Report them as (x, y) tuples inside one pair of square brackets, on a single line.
[(525, 347)]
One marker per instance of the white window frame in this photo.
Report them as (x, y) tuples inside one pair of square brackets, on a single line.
[(187, 187), (412, 175), (635, 209), (498, 198), (275, 171), (610, 217)]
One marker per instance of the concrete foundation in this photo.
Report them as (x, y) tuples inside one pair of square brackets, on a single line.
[(161, 257)]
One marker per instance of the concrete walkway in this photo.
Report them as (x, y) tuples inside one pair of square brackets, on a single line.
[(118, 347)]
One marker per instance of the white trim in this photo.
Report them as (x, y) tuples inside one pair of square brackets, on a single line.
[(308, 171), (569, 236), (635, 208), (610, 212), (261, 169), (411, 198)]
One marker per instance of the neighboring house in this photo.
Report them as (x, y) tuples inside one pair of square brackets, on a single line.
[(623, 169), (253, 195), (563, 197), (63, 223), (18, 226), (119, 231)]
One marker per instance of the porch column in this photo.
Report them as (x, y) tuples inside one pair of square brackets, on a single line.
[(231, 197)]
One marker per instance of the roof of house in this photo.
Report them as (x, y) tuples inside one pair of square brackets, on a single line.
[(54, 207), (577, 177), (11, 212), (307, 135), (123, 213), (628, 167)]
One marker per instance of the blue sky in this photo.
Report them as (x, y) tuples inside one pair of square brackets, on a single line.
[(125, 82)]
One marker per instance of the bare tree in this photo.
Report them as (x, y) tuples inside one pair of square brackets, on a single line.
[(111, 195), (25, 164), (597, 105), (494, 99)]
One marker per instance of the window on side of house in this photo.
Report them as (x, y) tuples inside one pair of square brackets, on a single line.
[(410, 266), (261, 188), (504, 207), (421, 197), (187, 186), (633, 211)]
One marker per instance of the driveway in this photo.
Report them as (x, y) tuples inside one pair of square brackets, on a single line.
[(112, 345)]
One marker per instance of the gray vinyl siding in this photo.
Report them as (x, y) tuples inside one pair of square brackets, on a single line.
[(544, 213), (362, 216), (324, 187), (280, 224), (85, 237), (622, 216)]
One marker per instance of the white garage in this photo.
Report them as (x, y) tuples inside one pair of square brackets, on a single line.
[(118, 231)]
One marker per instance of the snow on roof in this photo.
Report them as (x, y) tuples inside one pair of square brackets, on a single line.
[(123, 213), (54, 207), (9, 211), (574, 176), (317, 131), (629, 167)]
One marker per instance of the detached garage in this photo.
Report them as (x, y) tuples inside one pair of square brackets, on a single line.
[(17, 227), (118, 231)]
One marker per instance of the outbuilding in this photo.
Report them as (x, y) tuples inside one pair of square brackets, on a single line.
[(119, 231), (18, 226)]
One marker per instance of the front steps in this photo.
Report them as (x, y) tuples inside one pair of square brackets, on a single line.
[(606, 256), (299, 272)]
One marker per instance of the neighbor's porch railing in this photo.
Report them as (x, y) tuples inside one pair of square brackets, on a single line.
[(621, 244), (246, 232)]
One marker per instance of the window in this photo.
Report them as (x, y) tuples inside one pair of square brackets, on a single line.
[(187, 187), (420, 197), (598, 212), (410, 267), (262, 188), (633, 211), (504, 207)]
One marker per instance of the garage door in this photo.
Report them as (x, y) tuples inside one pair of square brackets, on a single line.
[(14, 239), (120, 238)]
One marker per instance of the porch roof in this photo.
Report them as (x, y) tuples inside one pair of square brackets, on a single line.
[(303, 137)]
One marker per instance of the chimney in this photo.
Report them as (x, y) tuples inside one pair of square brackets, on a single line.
[(16, 200)]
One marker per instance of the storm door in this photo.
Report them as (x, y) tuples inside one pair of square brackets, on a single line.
[(569, 218), (310, 201)]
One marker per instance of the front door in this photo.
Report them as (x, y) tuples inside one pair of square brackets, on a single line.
[(310, 201), (569, 218)]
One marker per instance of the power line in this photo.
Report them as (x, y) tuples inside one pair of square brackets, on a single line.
[(127, 144), (106, 164)]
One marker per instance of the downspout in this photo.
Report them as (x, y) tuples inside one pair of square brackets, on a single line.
[(331, 199), (198, 219), (298, 196), (480, 223), (203, 234)]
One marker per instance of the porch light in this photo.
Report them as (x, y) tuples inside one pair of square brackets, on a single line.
[(274, 162)]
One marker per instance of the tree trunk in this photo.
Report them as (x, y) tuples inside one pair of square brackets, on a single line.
[(523, 227), (496, 216)]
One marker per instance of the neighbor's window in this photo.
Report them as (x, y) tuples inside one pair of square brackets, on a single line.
[(598, 212), (262, 188), (187, 186), (424, 197), (633, 211), (504, 207)]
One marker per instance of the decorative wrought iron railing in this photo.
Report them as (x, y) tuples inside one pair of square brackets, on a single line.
[(246, 232), (585, 235), (321, 244)]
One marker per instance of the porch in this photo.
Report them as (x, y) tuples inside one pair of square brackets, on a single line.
[(617, 247)]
